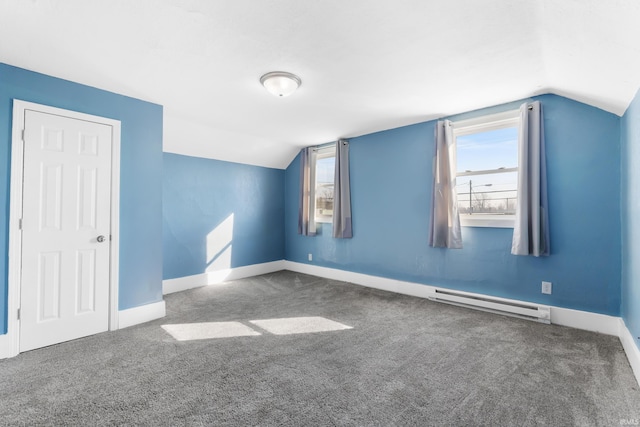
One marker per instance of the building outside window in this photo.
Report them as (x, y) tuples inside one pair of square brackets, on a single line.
[(323, 169), (487, 169)]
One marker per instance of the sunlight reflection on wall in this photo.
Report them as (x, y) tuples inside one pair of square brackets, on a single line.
[(219, 246)]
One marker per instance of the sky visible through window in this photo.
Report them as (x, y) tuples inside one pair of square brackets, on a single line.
[(487, 193), (325, 168)]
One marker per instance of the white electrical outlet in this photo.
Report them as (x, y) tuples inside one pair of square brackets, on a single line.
[(546, 287), (310, 257)]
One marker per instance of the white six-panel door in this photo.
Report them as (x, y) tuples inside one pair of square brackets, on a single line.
[(64, 291)]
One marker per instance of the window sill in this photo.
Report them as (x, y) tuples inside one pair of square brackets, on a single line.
[(490, 221)]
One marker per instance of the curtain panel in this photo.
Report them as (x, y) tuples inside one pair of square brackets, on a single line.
[(531, 229), (306, 222), (444, 227), (342, 193)]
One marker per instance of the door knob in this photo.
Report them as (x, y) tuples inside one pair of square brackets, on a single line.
[(100, 239)]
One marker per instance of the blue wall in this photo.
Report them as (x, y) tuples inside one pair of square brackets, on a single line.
[(630, 137), (391, 180), (200, 194), (391, 194), (140, 176)]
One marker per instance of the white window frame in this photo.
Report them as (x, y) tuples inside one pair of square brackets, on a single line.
[(484, 124), (318, 154)]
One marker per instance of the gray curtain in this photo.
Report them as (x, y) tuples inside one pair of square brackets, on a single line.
[(445, 221), (306, 222), (531, 229), (342, 193)]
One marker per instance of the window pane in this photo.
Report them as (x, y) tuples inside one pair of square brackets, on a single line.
[(325, 167), (488, 193), (493, 149)]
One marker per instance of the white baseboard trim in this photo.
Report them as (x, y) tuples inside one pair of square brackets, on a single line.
[(578, 319), (560, 316), (631, 349), (170, 286), (376, 282), (126, 318), (141, 314)]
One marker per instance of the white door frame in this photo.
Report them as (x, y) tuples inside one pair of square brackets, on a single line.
[(15, 215)]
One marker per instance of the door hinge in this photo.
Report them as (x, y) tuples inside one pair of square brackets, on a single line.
[(20, 224), (18, 314), (22, 134)]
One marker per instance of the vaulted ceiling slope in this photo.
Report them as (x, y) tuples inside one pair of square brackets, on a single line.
[(366, 65)]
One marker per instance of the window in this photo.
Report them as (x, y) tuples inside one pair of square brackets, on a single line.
[(487, 169), (322, 177)]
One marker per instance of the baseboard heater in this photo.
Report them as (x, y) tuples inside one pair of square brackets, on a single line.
[(538, 313)]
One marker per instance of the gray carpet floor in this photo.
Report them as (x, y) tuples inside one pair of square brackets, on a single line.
[(406, 361)]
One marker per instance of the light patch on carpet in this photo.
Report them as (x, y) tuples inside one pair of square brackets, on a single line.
[(299, 325), (208, 330)]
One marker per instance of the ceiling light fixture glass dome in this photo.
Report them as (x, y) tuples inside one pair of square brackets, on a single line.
[(280, 83)]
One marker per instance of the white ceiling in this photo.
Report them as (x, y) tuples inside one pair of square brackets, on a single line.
[(366, 65)]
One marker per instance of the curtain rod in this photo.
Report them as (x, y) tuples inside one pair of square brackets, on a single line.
[(328, 144)]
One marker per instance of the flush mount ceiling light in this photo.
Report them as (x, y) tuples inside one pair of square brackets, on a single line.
[(280, 83)]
